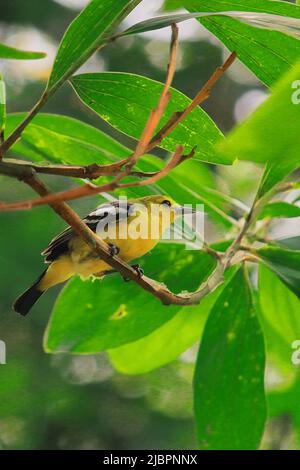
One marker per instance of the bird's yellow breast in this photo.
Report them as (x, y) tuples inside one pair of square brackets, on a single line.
[(87, 263)]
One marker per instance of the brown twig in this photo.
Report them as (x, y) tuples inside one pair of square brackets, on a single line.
[(90, 189), (92, 171), (156, 114), (158, 290), (201, 96)]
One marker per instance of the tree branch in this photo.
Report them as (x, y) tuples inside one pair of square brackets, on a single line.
[(27, 174), (158, 290), (90, 189), (156, 114), (201, 96)]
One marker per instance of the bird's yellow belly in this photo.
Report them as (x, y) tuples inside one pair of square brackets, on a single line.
[(85, 262)]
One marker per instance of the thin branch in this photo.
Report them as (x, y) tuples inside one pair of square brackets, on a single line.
[(92, 171), (91, 189), (156, 114), (155, 288), (16, 134), (201, 96)]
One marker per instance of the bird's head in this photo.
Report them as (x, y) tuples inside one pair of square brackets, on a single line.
[(164, 207)]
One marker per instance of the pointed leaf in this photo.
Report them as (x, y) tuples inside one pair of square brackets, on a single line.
[(86, 34), (279, 209), (260, 137), (126, 100), (283, 24), (268, 54), (276, 172), (229, 378), (61, 139)]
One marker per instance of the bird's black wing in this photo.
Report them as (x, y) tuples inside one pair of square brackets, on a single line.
[(60, 244)]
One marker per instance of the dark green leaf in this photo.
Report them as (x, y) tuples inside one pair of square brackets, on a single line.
[(86, 34), (112, 313), (285, 263), (126, 100), (229, 378), (260, 137), (167, 342), (279, 209), (61, 139), (268, 54), (7, 52)]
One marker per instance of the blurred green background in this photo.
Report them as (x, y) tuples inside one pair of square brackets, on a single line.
[(80, 402)]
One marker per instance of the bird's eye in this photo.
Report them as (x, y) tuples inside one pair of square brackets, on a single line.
[(167, 203)]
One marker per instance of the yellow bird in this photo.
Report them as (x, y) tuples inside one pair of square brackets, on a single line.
[(131, 228)]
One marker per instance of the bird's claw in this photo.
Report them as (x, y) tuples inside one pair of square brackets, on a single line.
[(113, 249), (139, 271)]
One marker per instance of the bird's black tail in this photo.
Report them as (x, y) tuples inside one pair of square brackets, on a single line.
[(26, 300)]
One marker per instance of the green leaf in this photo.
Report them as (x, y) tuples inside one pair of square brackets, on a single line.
[(293, 243), (2, 106), (268, 54), (276, 22), (285, 263), (167, 342), (280, 318), (85, 35), (229, 378), (7, 52), (112, 313), (125, 101), (58, 139), (61, 139), (275, 173), (279, 209), (260, 137)]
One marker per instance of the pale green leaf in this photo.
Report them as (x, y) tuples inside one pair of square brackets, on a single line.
[(268, 54), (261, 137), (229, 395)]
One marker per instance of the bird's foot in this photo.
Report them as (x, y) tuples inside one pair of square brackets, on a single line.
[(113, 249), (139, 271)]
